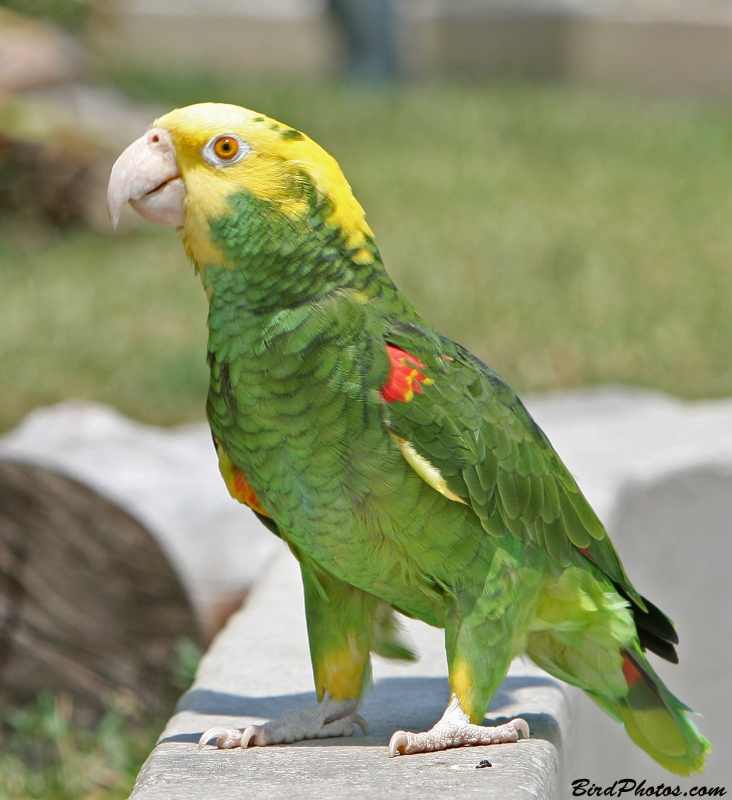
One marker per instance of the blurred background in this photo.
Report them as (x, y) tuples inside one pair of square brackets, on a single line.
[(548, 181)]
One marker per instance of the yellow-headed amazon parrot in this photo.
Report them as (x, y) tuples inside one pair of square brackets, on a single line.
[(404, 474)]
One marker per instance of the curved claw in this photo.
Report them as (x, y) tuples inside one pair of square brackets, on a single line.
[(226, 738), (522, 726), (360, 721), (252, 733), (397, 743)]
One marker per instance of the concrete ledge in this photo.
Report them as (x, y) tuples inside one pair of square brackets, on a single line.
[(259, 667)]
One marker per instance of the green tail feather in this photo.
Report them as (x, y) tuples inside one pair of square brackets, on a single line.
[(656, 720), (587, 636)]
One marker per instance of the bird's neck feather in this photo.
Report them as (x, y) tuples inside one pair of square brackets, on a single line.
[(272, 259)]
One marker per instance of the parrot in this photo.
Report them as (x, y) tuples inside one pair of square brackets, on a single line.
[(403, 473)]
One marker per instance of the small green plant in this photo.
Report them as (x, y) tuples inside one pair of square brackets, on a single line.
[(187, 658)]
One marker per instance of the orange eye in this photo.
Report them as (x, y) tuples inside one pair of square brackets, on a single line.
[(225, 150), (226, 147)]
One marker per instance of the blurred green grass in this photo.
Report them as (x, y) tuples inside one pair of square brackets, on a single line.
[(49, 757), (46, 753), (568, 237)]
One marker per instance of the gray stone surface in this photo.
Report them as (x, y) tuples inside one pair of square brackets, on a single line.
[(168, 479), (613, 438), (259, 667)]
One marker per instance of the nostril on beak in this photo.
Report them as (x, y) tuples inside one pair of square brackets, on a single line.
[(147, 176)]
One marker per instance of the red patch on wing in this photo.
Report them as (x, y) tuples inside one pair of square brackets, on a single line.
[(404, 378), (631, 672), (243, 491), (585, 552)]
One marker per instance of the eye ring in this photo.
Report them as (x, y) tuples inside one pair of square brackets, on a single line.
[(225, 149)]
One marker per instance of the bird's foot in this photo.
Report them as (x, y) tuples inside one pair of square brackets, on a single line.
[(329, 718), (455, 730)]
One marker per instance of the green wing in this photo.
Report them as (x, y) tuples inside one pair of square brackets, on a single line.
[(470, 425)]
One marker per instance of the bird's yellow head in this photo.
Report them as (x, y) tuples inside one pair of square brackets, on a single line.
[(183, 171)]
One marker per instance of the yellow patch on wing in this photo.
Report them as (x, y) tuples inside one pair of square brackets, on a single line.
[(428, 472), (341, 673), (236, 482), (278, 156)]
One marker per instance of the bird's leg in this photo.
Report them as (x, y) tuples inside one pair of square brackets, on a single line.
[(455, 730), (475, 619), (328, 718), (339, 631)]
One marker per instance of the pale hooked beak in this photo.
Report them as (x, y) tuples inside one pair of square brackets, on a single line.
[(147, 176)]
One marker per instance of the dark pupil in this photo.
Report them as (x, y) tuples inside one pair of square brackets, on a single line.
[(226, 146)]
